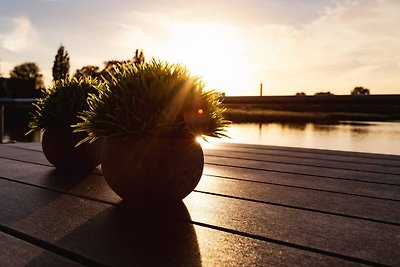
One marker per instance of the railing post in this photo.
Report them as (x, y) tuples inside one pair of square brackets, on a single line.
[(1, 123)]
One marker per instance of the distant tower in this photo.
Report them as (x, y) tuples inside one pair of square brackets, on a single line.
[(261, 89)]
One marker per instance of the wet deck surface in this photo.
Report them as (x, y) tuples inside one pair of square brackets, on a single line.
[(254, 206)]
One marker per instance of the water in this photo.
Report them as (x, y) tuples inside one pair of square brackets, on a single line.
[(373, 137)]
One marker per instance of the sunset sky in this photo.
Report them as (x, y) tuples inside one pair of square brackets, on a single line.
[(288, 45)]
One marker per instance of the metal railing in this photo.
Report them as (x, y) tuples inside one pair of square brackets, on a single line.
[(11, 101)]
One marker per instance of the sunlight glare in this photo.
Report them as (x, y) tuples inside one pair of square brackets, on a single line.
[(215, 52), (209, 143)]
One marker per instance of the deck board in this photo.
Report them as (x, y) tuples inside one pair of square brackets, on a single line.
[(314, 151), (366, 176), (368, 207), (300, 214), (125, 237), (383, 167), (318, 201), (16, 252), (313, 182)]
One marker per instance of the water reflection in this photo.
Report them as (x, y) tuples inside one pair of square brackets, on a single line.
[(374, 137), (325, 127)]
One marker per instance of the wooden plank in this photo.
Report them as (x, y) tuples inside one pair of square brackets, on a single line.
[(308, 154), (351, 154), (122, 237), (16, 252), (307, 170), (385, 211), (326, 155), (360, 188), (11, 152), (372, 208), (26, 155), (313, 162), (279, 178), (214, 154), (347, 236), (26, 146)]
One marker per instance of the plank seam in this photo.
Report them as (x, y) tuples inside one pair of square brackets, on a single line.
[(296, 173), (24, 148), (69, 254), (215, 194), (302, 157), (307, 165), (318, 152), (25, 161), (242, 167), (302, 187), (259, 160), (293, 245), (301, 208), (341, 155)]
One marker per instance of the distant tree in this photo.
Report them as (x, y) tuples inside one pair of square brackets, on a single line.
[(61, 64), (28, 71), (300, 94), (111, 67), (88, 71), (323, 93), (138, 59), (359, 90)]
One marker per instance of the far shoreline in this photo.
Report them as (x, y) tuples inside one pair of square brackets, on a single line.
[(238, 115), (316, 109)]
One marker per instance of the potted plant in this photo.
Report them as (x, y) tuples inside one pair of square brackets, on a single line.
[(151, 115), (55, 112)]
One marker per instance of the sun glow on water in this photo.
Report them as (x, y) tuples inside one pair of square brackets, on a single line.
[(209, 142)]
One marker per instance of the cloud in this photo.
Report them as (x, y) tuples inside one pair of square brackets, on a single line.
[(347, 43), (21, 35), (350, 42)]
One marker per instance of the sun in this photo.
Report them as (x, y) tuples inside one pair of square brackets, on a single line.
[(213, 51)]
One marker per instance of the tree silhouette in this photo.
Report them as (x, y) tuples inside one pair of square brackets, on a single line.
[(111, 67), (323, 93), (359, 90), (61, 64), (27, 71), (88, 71), (138, 59)]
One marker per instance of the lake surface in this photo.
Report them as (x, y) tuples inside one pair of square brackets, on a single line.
[(373, 137)]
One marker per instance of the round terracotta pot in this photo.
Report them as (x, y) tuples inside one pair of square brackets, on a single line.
[(150, 169), (59, 148)]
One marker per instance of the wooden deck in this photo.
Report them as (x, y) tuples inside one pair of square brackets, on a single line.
[(254, 206)]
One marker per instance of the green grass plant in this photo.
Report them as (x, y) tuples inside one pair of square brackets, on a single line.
[(154, 99), (62, 102)]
